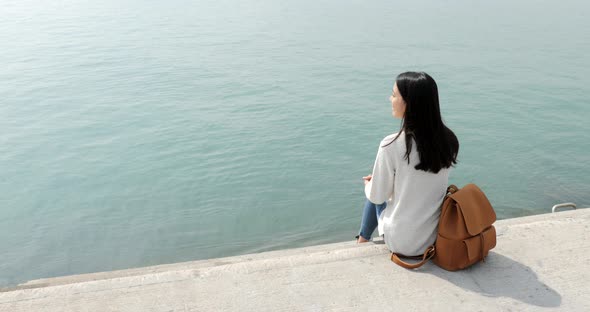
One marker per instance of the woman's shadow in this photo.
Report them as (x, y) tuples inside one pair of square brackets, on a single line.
[(500, 276)]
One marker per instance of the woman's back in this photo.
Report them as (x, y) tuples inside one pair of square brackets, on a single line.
[(410, 219)]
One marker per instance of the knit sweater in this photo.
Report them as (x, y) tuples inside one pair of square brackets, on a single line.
[(410, 220)]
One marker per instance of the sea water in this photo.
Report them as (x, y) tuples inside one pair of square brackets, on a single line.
[(136, 133)]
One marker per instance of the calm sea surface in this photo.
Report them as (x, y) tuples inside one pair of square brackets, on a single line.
[(135, 133)]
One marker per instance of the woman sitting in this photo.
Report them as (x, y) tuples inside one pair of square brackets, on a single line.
[(411, 172)]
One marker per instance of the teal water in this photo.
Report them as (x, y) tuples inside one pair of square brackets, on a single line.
[(135, 133)]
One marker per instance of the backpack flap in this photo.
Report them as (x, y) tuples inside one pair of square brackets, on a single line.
[(475, 207)]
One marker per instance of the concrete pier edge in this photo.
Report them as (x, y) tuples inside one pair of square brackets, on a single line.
[(541, 261)]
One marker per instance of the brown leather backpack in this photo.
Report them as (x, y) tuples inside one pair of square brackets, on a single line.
[(465, 231)]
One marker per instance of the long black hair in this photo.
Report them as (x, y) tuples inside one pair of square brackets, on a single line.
[(437, 145)]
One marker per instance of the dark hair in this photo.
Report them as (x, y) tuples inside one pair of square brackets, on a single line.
[(437, 145)]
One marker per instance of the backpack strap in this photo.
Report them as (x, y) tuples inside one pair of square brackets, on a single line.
[(428, 254), (452, 189)]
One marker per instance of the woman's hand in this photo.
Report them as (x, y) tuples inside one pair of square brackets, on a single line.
[(368, 178)]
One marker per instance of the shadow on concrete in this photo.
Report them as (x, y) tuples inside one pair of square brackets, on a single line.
[(500, 276)]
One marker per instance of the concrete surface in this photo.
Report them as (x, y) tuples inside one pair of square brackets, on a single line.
[(541, 263)]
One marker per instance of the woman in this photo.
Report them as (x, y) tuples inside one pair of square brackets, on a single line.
[(411, 172)]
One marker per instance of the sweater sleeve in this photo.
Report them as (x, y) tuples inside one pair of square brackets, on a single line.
[(380, 188)]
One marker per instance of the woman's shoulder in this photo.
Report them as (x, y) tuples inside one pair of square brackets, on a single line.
[(392, 140)]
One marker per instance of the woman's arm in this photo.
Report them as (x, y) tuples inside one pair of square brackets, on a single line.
[(379, 185)]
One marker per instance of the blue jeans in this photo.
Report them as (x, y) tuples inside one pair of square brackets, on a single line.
[(371, 213)]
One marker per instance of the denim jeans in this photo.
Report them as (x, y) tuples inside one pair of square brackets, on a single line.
[(371, 213)]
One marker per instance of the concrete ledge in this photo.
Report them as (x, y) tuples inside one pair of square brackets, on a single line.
[(540, 262)]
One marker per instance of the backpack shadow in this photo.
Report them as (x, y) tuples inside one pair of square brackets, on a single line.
[(500, 276)]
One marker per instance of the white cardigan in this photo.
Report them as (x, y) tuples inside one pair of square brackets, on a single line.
[(410, 220)]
